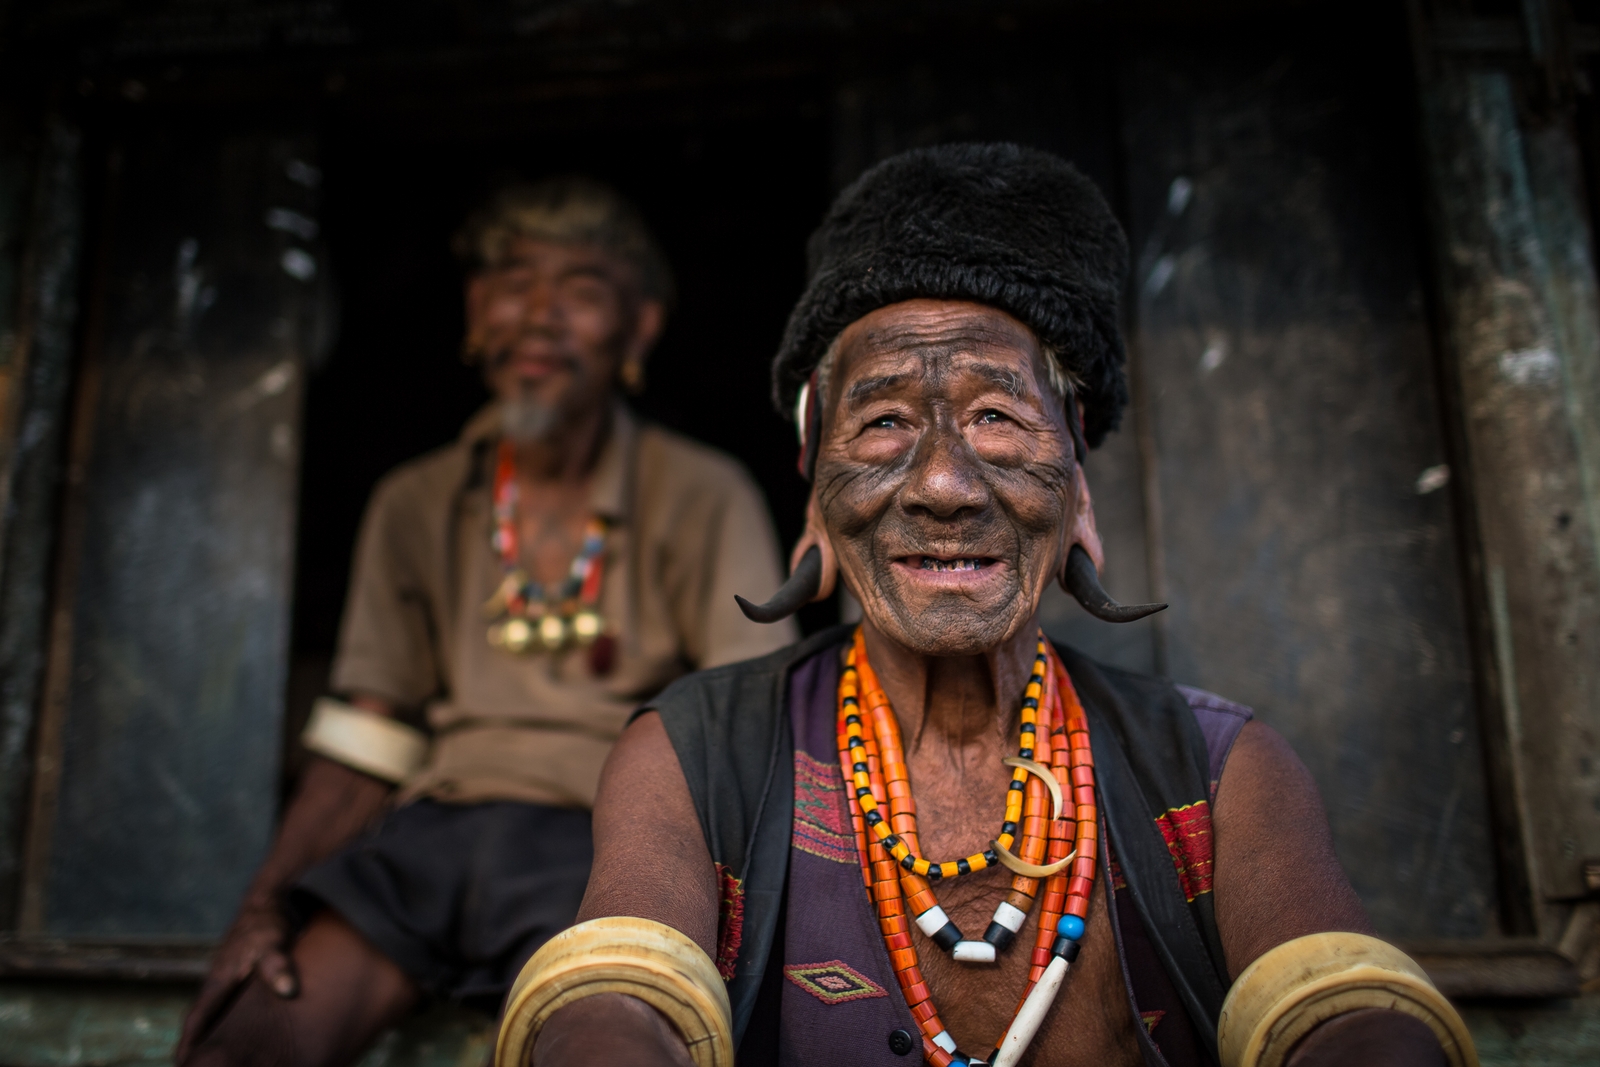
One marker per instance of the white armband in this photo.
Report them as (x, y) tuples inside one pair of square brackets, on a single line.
[(370, 743)]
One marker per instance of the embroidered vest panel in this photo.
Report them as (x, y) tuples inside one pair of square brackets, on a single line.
[(1170, 1038), (840, 1001), (1158, 754)]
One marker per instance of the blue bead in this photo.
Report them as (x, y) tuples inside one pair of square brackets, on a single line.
[(1070, 926)]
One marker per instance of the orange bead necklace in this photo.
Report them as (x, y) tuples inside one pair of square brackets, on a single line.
[(898, 878)]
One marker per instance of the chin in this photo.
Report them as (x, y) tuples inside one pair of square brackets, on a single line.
[(946, 626)]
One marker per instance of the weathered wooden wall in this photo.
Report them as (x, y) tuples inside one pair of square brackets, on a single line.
[(1310, 554), (1519, 308), (159, 733), (43, 237)]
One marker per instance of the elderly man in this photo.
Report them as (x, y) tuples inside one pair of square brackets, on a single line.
[(936, 835), (525, 588)]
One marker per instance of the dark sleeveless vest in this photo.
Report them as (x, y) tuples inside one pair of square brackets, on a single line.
[(757, 747)]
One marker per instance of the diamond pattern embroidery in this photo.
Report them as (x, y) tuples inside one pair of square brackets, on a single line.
[(833, 982)]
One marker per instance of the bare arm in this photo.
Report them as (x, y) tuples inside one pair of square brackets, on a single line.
[(1277, 878), (330, 806), (650, 861)]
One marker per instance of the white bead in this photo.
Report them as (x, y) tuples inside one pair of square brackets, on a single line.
[(945, 1041), (932, 921), (1032, 1013), (1010, 917), (972, 952)]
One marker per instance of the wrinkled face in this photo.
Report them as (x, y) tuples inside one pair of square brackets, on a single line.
[(552, 324), (945, 476)]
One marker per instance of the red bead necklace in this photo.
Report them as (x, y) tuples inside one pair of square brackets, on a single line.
[(898, 878), (524, 616)]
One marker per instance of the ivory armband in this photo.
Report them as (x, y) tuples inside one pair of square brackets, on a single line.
[(636, 957), (372, 744), (1302, 983)]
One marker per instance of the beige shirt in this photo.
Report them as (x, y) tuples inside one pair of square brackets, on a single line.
[(687, 530)]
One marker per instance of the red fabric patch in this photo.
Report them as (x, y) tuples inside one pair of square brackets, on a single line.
[(1188, 833), (730, 923), (821, 820), (1150, 1019)]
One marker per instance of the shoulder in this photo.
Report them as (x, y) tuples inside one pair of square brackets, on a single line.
[(421, 484), (712, 699)]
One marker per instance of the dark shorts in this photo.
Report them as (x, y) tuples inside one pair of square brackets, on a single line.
[(459, 895)]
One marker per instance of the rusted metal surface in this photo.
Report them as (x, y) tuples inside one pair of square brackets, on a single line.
[(1309, 552), (1518, 305), (160, 734), (39, 368)]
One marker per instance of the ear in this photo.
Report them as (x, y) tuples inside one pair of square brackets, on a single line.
[(815, 535), (649, 319), (1083, 531)]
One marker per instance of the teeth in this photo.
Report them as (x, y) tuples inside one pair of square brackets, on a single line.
[(931, 564)]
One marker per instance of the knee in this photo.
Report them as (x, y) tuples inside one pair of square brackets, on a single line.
[(253, 1032)]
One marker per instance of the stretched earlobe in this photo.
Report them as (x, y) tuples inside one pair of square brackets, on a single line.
[(801, 589), (1083, 582), (815, 573)]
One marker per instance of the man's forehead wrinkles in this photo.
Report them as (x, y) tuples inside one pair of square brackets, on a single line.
[(936, 368), (961, 334)]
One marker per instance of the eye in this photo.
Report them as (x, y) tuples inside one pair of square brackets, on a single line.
[(990, 417), (882, 422)]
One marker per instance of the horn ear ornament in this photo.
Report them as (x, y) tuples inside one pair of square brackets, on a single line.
[(800, 590), (1083, 582)]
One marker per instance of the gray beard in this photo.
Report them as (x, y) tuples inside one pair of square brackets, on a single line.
[(526, 422)]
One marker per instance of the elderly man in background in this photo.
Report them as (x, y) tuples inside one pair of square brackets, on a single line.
[(525, 588)]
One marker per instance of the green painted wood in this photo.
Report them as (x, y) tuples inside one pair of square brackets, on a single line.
[(67, 1024)]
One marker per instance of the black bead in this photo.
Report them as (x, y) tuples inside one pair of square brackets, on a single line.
[(963, 867), (1015, 785), (947, 936), (991, 857), (1066, 948), (900, 1042), (1005, 828), (998, 936)]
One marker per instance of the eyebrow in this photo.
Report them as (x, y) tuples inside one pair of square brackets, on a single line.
[(1006, 379), (864, 390)]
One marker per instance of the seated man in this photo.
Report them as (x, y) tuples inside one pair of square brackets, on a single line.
[(527, 587), (936, 835)]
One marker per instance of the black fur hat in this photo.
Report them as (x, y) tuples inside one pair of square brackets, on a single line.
[(1015, 228)]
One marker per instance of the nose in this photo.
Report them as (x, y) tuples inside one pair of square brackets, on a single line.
[(945, 481), (541, 312)]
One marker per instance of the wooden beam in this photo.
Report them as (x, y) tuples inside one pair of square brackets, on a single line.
[(1519, 314)]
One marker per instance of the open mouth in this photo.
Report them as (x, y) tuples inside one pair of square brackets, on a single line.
[(955, 563)]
